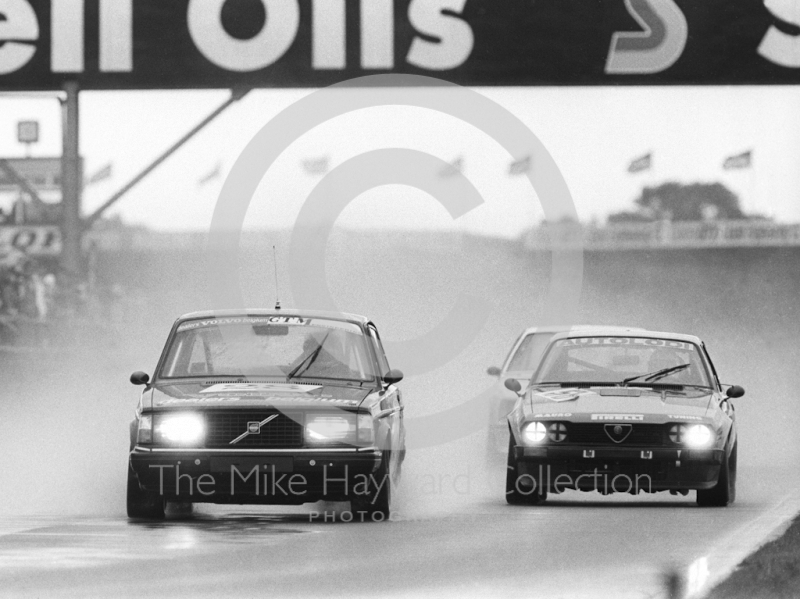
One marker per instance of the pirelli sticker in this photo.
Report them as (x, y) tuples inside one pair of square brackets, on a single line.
[(629, 341), (618, 417)]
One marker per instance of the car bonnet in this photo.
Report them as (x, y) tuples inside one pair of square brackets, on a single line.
[(228, 395), (618, 403)]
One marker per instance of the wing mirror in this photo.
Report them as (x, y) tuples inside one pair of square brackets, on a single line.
[(513, 385), (140, 378), (392, 377), (734, 391), (493, 371)]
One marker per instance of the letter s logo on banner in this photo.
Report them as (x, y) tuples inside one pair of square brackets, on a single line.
[(778, 47), (456, 39), (654, 49)]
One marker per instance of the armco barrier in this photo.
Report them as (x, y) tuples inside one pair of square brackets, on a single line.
[(665, 235)]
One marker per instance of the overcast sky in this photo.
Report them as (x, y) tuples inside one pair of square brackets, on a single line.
[(593, 134)]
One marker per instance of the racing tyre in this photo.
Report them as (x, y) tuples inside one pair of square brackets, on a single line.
[(516, 492), (724, 492), (143, 504), (376, 503)]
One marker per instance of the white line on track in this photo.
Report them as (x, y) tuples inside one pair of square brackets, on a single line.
[(709, 570)]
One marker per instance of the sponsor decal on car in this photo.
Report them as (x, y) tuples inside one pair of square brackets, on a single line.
[(627, 341), (267, 399), (260, 387), (618, 417), (554, 415), (212, 322), (195, 400), (683, 417)]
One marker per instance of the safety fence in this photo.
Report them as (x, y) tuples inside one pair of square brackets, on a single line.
[(663, 235)]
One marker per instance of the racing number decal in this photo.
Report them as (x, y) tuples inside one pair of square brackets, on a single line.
[(563, 394)]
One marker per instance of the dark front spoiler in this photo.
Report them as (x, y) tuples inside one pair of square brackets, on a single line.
[(255, 476), (616, 469)]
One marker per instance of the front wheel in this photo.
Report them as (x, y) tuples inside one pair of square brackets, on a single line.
[(375, 504), (143, 504), (724, 492), (521, 489)]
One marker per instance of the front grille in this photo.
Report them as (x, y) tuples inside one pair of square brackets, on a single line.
[(647, 435), (281, 432)]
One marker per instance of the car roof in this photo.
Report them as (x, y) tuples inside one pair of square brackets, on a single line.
[(623, 332), (554, 328), (343, 316)]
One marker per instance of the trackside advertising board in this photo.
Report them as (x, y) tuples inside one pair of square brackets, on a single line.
[(170, 44)]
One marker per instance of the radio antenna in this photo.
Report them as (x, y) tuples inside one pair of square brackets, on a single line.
[(277, 296)]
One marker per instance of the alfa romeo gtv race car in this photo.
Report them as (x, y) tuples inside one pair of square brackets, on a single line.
[(623, 413), (270, 407)]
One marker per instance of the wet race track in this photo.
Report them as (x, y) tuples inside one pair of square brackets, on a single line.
[(574, 546), (63, 435)]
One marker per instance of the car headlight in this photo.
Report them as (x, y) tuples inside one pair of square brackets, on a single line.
[(695, 436), (329, 428), (534, 432), (557, 432), (698, 435), (179, 429)]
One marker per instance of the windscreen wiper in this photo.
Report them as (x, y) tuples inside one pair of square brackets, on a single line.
[(653, 376), (308, 360)]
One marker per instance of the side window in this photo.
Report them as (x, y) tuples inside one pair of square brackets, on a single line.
[(383, 363), (529, 352)]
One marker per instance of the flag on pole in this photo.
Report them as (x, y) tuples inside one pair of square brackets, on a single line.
[(100, 175), (521, 166), (316, 166), (743, 160), (643, 163), (210, 175), (452, 169)]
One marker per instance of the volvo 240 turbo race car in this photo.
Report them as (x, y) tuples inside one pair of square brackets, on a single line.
[(520, 363), (623, 412), (267, 407)]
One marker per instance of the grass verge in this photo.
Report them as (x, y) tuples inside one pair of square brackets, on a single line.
[(772, 572)]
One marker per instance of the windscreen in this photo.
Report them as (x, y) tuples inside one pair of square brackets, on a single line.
[(613, 359), (529, 352), (283, 347)]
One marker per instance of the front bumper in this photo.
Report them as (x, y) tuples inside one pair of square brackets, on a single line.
[(616, 469), (266, 476)]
